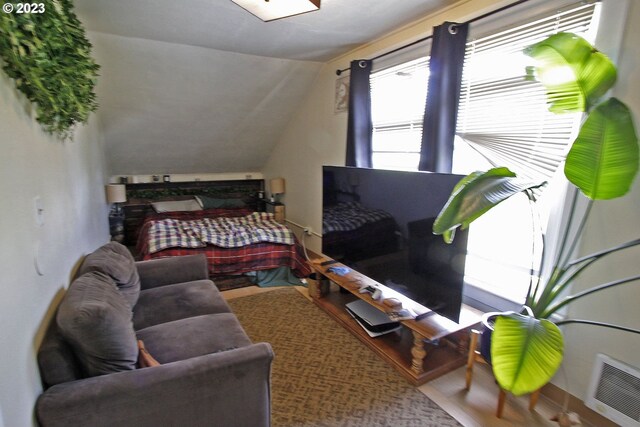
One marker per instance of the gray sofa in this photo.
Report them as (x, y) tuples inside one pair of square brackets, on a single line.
[(210, 374)]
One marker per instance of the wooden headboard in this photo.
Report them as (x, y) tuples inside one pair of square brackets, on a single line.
[(140, 197)]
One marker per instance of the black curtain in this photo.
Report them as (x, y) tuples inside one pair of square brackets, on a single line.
[(439, 124), (360, 126)]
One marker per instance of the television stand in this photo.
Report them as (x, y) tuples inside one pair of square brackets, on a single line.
[(421, 350)]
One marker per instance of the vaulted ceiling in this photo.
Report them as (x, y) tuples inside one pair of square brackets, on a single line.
[(203, 86)]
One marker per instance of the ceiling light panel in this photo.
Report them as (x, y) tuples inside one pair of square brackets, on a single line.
[(269, 10)]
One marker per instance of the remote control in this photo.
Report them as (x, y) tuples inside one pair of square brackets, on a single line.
[(367, 288), (328, 262), (425, 314)]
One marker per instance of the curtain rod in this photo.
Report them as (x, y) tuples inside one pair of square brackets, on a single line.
[(478, 18)]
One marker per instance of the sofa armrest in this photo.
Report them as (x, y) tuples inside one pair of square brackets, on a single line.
[(214, 389), (167, 271)]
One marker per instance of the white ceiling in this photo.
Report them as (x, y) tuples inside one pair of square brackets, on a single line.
[(203, 86)]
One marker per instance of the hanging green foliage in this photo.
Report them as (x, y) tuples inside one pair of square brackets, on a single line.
[(48, 55)]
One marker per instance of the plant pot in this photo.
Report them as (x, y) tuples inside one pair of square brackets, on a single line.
[(488, 320)]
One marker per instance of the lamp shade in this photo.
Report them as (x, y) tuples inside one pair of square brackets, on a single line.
[(277, 185), (116, 193), (276, 9)]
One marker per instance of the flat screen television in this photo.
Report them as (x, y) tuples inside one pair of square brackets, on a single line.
[(379, 223)]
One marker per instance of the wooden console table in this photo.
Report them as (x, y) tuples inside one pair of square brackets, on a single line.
[(422, 350)]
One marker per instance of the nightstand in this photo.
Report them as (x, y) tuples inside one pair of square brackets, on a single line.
[(116, 226), (277, 209)]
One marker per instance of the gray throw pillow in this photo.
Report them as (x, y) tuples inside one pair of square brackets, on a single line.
[(95, 319), (115, 260)]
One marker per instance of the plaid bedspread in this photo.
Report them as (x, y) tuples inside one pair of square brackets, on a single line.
[(227, 261), (226, 232), (348, 216)]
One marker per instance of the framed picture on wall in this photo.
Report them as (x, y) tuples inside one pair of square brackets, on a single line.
[(342, 95)]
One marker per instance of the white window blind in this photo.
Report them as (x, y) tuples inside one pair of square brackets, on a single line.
[(505, 117), (398, 97), (503, 120)]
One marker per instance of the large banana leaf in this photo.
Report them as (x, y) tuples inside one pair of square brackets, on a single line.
[(574, 73), (474, 195), (603, 160), (525, 352)]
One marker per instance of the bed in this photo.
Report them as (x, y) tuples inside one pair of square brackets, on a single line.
[(231, 210)]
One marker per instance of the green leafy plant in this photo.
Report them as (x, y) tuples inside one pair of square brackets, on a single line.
[(49, 57), (527, 348)]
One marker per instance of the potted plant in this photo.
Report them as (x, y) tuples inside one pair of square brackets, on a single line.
[(527, 347)]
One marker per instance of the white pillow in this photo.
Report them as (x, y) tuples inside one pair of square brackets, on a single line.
[(178, 205)]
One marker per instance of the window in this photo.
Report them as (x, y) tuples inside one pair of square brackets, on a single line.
[(503, 120), (398, 97), (504, 116)]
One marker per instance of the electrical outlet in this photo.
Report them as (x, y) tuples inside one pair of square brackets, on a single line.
[(307, 231), (39, 210)]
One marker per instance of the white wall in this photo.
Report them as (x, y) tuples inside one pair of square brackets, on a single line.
[(611, 223), (171, 108), (316, 136), (69, 178)]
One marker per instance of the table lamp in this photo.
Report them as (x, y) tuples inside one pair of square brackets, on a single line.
[(277, 187), (116, 194)]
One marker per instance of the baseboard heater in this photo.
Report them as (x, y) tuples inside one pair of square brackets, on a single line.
[(614, 391)]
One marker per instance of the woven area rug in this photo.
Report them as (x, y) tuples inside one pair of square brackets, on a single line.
[(323, 376)]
